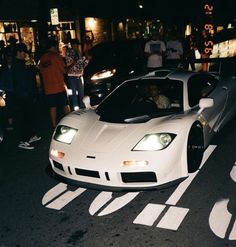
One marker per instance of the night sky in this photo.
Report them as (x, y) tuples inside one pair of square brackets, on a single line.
[(170, 10)]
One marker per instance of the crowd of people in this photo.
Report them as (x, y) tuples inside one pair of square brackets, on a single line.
[(57, 71), (60, 69), (176, 51)]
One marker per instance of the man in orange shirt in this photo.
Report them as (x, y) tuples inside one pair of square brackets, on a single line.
[(52, 69)]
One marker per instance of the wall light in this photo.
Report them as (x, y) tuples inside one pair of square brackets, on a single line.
[(91, 23)]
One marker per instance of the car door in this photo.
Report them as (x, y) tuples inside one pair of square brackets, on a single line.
[(203, 86), (229, 85)]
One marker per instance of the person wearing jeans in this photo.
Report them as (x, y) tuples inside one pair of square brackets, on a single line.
[(76, 84), (75, 68)]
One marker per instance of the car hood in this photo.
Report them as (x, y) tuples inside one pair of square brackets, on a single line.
[(98, 136)]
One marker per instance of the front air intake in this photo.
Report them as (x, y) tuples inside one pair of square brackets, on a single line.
[(138, 177)]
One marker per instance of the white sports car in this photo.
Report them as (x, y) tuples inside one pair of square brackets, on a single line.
[(132, 142)]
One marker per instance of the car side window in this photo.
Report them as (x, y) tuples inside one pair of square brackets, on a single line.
[(200, 86)]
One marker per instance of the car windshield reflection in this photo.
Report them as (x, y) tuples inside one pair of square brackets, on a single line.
[(140, 100)]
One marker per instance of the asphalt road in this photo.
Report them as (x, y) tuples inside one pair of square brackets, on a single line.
[(38, 211)]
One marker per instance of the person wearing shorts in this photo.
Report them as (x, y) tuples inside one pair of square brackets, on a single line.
[(57, 100), (52, 69)]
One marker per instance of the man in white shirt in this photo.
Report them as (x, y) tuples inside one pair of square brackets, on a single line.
[(174, 50), (154, 50)]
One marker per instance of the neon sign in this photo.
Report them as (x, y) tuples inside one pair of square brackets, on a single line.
[(208, 28)]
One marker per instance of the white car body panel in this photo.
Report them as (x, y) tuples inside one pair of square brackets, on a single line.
[(102, 147)]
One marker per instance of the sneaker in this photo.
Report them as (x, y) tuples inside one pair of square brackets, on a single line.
[(34, 139), (25, 145)]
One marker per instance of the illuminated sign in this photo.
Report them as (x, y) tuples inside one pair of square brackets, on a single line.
[(54, 16), (208, 28)]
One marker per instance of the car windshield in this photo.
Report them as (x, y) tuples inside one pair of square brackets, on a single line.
[(140, 100)]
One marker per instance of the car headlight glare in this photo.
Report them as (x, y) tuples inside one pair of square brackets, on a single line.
[(154, 142), (103, 74), (64, 134)]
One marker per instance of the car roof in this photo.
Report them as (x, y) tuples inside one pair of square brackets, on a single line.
[(173, 74)]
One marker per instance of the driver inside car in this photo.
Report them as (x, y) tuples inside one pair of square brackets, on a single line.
[(161, 100)]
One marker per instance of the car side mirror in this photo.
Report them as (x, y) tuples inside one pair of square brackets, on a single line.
[(205, 103)]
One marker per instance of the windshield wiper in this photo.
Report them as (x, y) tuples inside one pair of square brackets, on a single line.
[(138, 119)]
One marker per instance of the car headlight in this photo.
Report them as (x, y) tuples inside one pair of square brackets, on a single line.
[(64, 134), (103, 74), (154, 142)]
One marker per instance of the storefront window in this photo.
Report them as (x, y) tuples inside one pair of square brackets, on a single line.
[(63, 32), (8, 30)]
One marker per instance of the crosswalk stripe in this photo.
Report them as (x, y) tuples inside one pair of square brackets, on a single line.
[(65, 198), (232, 235), (233, 173), (149, 214), (182, 187), (207, 154), (179, 191), (173, 218), (54, 192), (103, 198), (118, 203)]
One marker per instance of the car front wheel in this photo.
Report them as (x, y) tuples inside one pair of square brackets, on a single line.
[(195, 147)]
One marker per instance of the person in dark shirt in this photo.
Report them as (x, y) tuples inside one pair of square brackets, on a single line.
[(24, 79), (2, 52), (6, 84)]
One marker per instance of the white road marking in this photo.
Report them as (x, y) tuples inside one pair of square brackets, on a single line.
[(54, 192), (182, 187), (118, 203), (233, 173), (220, 218), (65, 198), (207, 154), (232, 235), (173, 218), (103, 198), (179, 191), (174, 215), (149, 214)]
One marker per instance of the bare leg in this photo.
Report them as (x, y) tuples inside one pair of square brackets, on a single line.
[(66, 109)]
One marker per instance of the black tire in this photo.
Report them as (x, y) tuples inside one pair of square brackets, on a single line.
[(195, 147)]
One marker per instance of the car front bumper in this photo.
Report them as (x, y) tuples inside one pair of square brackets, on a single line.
[(101, 187), (112, 180)]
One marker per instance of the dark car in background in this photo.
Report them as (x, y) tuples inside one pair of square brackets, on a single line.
[(112, 63)]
